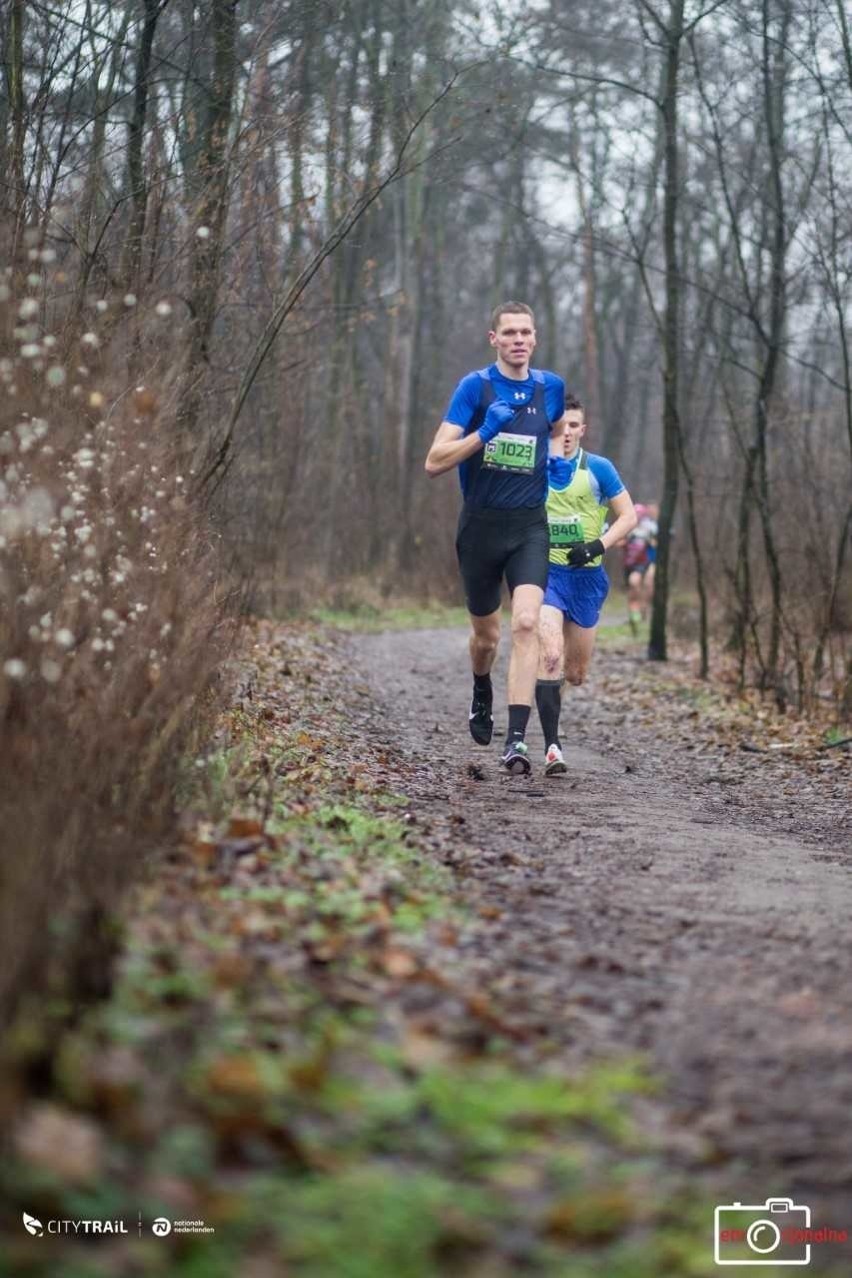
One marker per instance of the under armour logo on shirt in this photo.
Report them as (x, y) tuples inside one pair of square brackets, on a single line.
[(520, 395)]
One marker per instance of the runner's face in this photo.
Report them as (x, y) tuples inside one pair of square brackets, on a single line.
[(575, 429), (514, 339)]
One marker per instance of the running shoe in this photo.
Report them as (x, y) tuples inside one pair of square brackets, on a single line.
[(554, 763), (480, 721), (515, 759)]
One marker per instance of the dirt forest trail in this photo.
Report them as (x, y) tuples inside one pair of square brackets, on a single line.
[(673, 895)]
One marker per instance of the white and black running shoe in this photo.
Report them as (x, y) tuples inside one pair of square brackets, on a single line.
[(479, 720), (554, 763), (516, 759)]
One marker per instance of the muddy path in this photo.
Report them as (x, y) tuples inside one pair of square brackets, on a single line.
[(672, 895)]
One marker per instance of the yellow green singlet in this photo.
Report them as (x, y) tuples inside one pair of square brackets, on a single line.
[(574, 514)]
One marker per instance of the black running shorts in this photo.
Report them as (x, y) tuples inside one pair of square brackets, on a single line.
[(640, 568), (492, 544)]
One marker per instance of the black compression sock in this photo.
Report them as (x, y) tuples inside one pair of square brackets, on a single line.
[(482, 683), (549, 702), (518, 719)]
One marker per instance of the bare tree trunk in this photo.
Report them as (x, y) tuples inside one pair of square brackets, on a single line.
[(349, 263), (135, 139), (548, 352), (834, 273), (674, 31), (615, 400), (15, 80), (700, 584), (774, 88), (210, 211), (92, 205), (591, 356)]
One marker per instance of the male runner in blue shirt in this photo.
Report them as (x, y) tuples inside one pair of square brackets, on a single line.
[(583, 494), (501, 425)]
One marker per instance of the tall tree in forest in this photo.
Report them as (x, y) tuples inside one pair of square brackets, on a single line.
[(837, 275), (210, 207), (761, 259), (591, 345), (671, 31), (13, 149), (135, 141)]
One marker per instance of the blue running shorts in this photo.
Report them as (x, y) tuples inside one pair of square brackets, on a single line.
[(578, 593)]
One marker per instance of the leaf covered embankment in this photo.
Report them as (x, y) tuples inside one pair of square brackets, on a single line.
[(293, 1054)]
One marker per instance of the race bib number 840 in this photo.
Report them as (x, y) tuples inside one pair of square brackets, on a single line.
[(566, 532), (510, 452)]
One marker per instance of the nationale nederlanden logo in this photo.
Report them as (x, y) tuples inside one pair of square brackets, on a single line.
[(163, 1226)]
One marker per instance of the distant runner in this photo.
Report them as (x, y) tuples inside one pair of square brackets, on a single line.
[(501, 424), (583, 488), (640, 553)]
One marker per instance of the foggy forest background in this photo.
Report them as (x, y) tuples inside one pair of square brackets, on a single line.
[(287, 223)]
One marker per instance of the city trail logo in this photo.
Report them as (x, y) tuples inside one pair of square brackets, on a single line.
[(36, 1228)]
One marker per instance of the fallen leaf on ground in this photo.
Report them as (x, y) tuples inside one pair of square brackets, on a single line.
[(240, 827), (423, 1050), (64, 1144), (399, 963)]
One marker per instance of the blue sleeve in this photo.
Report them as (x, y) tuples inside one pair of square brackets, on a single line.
[(554, 396), (465, 401), (609, 480)]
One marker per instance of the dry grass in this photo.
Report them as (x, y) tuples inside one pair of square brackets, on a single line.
[(113, 621)]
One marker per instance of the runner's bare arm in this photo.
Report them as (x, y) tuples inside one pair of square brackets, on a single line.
[(449, 447), (556, 447), (625, 519)]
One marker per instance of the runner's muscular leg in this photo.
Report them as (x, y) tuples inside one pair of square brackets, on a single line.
[(579, 646), (484, 638), (648, 588), (634, 590), (548, 688), (552, 649), (523, 663)]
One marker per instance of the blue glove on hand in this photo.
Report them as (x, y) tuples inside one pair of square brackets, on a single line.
[(498, 416), (559, 473), (584, 552)]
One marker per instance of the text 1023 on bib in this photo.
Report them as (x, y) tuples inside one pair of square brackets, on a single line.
[(515, 453)]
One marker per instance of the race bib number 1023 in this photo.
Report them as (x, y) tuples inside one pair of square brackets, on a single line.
[(515, 453)]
